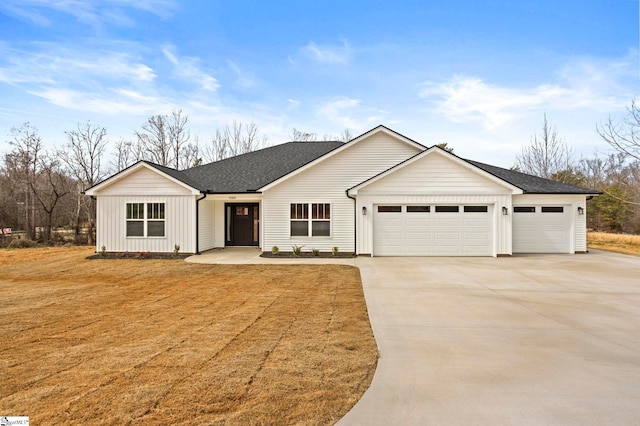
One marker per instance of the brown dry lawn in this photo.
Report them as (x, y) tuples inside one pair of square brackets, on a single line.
[(167, 342), (621, 243)]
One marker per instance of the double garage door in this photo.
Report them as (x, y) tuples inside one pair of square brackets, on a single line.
[(541, 229), (432, 230)]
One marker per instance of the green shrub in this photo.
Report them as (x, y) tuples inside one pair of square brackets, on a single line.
[(103, 251), (297, 250), (315, 252), (335, 251), (275, 250), (176, 249)]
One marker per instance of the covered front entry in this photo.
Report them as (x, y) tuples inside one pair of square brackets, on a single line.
[(242, 224), (432, 230)]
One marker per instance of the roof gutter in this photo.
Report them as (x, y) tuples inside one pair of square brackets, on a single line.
[(198, 220)]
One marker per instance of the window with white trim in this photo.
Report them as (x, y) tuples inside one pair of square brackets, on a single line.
[(135, 219), (145, 222), (316, 224)]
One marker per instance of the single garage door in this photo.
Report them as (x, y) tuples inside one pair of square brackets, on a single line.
[(541, 229), (432, 230)]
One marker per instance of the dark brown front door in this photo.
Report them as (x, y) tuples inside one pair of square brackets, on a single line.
[(242, 224)]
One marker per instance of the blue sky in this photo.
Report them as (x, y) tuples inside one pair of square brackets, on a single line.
[(478, 75)]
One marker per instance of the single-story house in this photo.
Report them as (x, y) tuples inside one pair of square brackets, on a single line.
[(380, 194)]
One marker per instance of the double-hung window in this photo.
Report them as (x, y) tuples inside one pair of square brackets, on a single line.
[(321, 220), (155, 219), (135, 219), (299, 220), (145, 219), (310, 219)]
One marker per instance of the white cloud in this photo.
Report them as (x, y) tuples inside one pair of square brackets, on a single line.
[(292, 104), (29, 15), (89, 12), (113, 102), (464, 99), (582, 84), (189, 69), (348, 113), (243, 79), (63, 65), (328, 54)]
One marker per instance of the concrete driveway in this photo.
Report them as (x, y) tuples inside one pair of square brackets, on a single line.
[(527, 340)]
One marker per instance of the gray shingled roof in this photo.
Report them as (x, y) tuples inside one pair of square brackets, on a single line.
[(250, 172), (532, 184), (176, 174)]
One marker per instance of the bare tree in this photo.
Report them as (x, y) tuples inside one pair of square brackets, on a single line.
[(218, 148), (623, 134), (83, 158), (234, 140), (22, 164), (301, 136), (155, 141), (50, 185), (618, 208), (445, 146), (547, 155), (345, 136), (126, 153), (10, 216), (164, 140)]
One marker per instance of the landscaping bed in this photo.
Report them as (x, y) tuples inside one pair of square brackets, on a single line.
[(306, 254), (139, 255)]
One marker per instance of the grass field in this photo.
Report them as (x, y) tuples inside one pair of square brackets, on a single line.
[(621, 243), (167, 342)]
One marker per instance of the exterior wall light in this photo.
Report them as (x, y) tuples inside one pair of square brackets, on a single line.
[(505, 211), (364, 211), (580, 211)]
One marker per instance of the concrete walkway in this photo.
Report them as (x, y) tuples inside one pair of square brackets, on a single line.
[(526, 340)]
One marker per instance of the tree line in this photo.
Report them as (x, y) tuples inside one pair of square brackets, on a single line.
[(41, 187), (615, 174)]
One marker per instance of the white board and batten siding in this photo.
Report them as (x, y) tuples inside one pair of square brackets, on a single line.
[(179, 224), (327, 182), (206, 223), (436, 180), (557, 232), (144, 181), (145, 186)]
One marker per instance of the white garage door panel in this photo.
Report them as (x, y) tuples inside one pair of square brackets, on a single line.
[(431, 233), (542, 232), (448, 221), (418, 251), (448, 237), (476, 238)]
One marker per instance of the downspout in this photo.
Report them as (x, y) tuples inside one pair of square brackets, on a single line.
[(198, 221), (95, 225), (355, 223)]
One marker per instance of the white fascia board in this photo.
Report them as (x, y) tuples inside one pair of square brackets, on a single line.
[(434, 149), (375, 130), (132, 169)]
